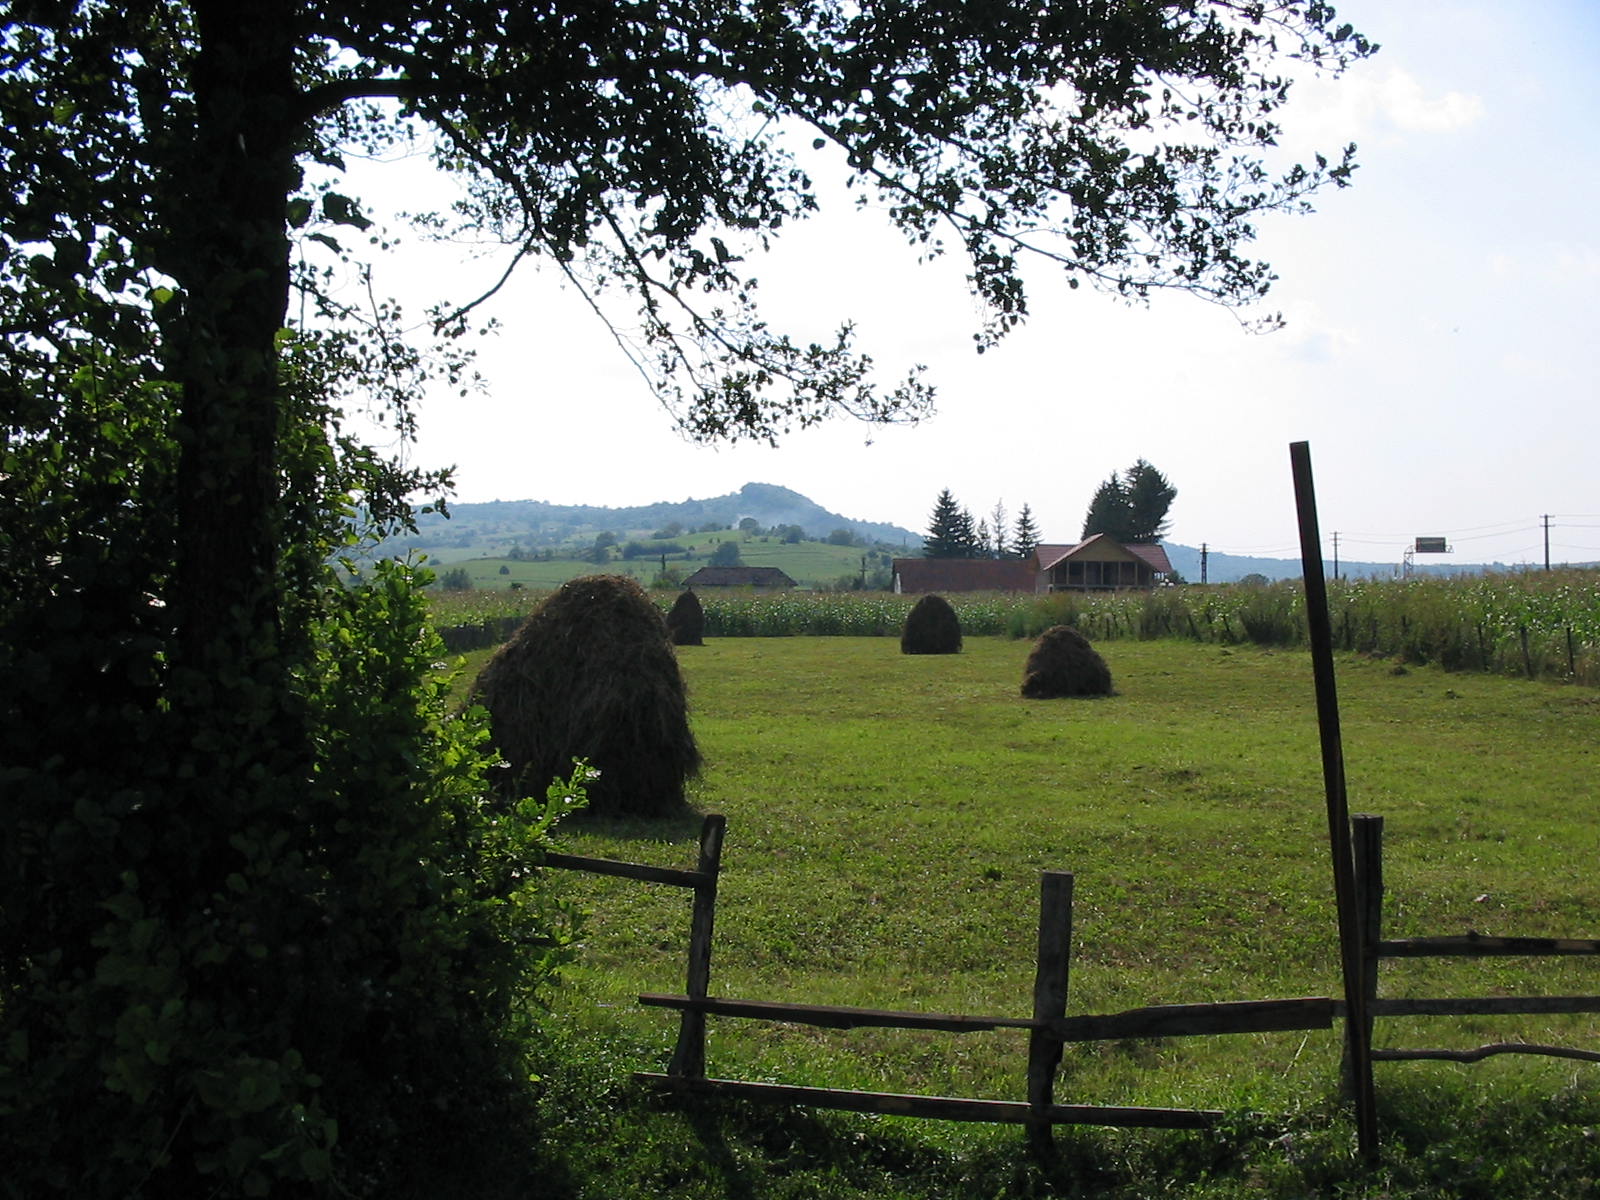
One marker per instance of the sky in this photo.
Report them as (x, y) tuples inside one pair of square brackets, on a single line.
[(1441, 355)]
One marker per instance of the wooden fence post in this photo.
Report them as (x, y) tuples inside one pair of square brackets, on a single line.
[(1367, 843), (1319, 632), (689, 1059), (1049, 1003)]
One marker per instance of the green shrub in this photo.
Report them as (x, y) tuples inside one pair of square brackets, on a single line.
[(336, 999)]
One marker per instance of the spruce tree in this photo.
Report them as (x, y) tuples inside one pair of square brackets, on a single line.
[(1108, 511), (997, 527), (1149, 496), (945, 538), (1025, 537), (1132, 506)]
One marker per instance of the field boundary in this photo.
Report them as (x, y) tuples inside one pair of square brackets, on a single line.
[(1049, 1027)]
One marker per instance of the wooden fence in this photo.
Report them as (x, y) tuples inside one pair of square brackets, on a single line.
[(1368, 846), (1049, 1027)]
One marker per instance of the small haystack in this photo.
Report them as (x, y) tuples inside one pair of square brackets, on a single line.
[(687, 621), (931, 628), (1063, 663), (591, 675)]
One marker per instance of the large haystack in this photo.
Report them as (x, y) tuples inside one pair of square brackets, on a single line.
[(931, 627), (687, 621), (592, 675), (1063, 663)]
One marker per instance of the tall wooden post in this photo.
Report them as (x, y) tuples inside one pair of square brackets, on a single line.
[(1320, 631), (689, 1059), (1049, 1003)]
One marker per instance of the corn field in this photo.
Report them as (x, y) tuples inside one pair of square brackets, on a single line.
[(1542, 625)]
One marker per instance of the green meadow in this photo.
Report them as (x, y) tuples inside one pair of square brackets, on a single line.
[(888, 819)]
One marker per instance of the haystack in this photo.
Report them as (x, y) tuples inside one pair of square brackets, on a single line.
[(687, 621), (591, 675), (931, 628), (1063, 663)]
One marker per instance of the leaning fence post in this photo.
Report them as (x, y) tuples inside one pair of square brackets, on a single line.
[(1049, 1002), (689, 1059), (1319, 632)]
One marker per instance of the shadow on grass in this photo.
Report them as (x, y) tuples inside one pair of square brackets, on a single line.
[(1438, 1142)]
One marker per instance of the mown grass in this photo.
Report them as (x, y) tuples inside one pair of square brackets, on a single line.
[(888, 817)]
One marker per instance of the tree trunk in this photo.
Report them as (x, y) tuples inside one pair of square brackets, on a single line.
[(231, 261)]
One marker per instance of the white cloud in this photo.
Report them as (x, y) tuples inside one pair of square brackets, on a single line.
[(1400, 98), (1371, 101)]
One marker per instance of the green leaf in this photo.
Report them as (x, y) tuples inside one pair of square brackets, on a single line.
[(342, 210)]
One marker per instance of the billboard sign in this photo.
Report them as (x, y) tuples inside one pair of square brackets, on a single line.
[(1431, 545)]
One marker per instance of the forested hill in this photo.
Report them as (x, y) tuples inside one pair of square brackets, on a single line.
[(497, 526)]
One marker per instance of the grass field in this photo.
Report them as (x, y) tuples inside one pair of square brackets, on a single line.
[(810, 564), (888, 817)]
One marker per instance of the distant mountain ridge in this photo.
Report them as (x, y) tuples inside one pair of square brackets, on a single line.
[(494, 527), (534, 523)]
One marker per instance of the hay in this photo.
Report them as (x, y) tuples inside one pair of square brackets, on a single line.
[(931, 627), (1063, 663), (687, 621), (591, 675)]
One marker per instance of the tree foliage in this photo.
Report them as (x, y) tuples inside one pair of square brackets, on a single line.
[(1132, 506), (243, 857)]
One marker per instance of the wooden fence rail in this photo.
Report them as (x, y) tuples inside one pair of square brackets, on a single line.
[(1049, 1029), (1368, 846)]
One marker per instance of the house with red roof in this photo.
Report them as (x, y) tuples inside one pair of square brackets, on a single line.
[(1096, 564)]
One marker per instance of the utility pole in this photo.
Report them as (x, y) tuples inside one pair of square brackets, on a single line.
[(1546, 520), (1202, 562), (1336, 554)]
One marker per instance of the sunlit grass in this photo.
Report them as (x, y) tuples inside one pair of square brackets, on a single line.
[(888, 817)]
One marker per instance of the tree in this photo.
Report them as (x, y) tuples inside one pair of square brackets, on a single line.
[(1025, 537), (725, 555), (189, 769), (1108, 511), (1150, 495), (1131, 507), (997, 524), (946, 537)]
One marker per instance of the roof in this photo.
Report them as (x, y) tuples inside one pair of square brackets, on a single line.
[(1151, 554), (966, 574), (759, 577)]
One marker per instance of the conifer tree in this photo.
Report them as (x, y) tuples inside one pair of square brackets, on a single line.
[(1108, 511), (946, 538), (1025, 537)]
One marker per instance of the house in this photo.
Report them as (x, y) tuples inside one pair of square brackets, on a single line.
[(765, 578), (1098, 563)]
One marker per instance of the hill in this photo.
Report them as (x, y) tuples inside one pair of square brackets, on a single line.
[(494, 528)]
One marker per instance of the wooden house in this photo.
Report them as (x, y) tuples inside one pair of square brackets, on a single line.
[(1098, 563)]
